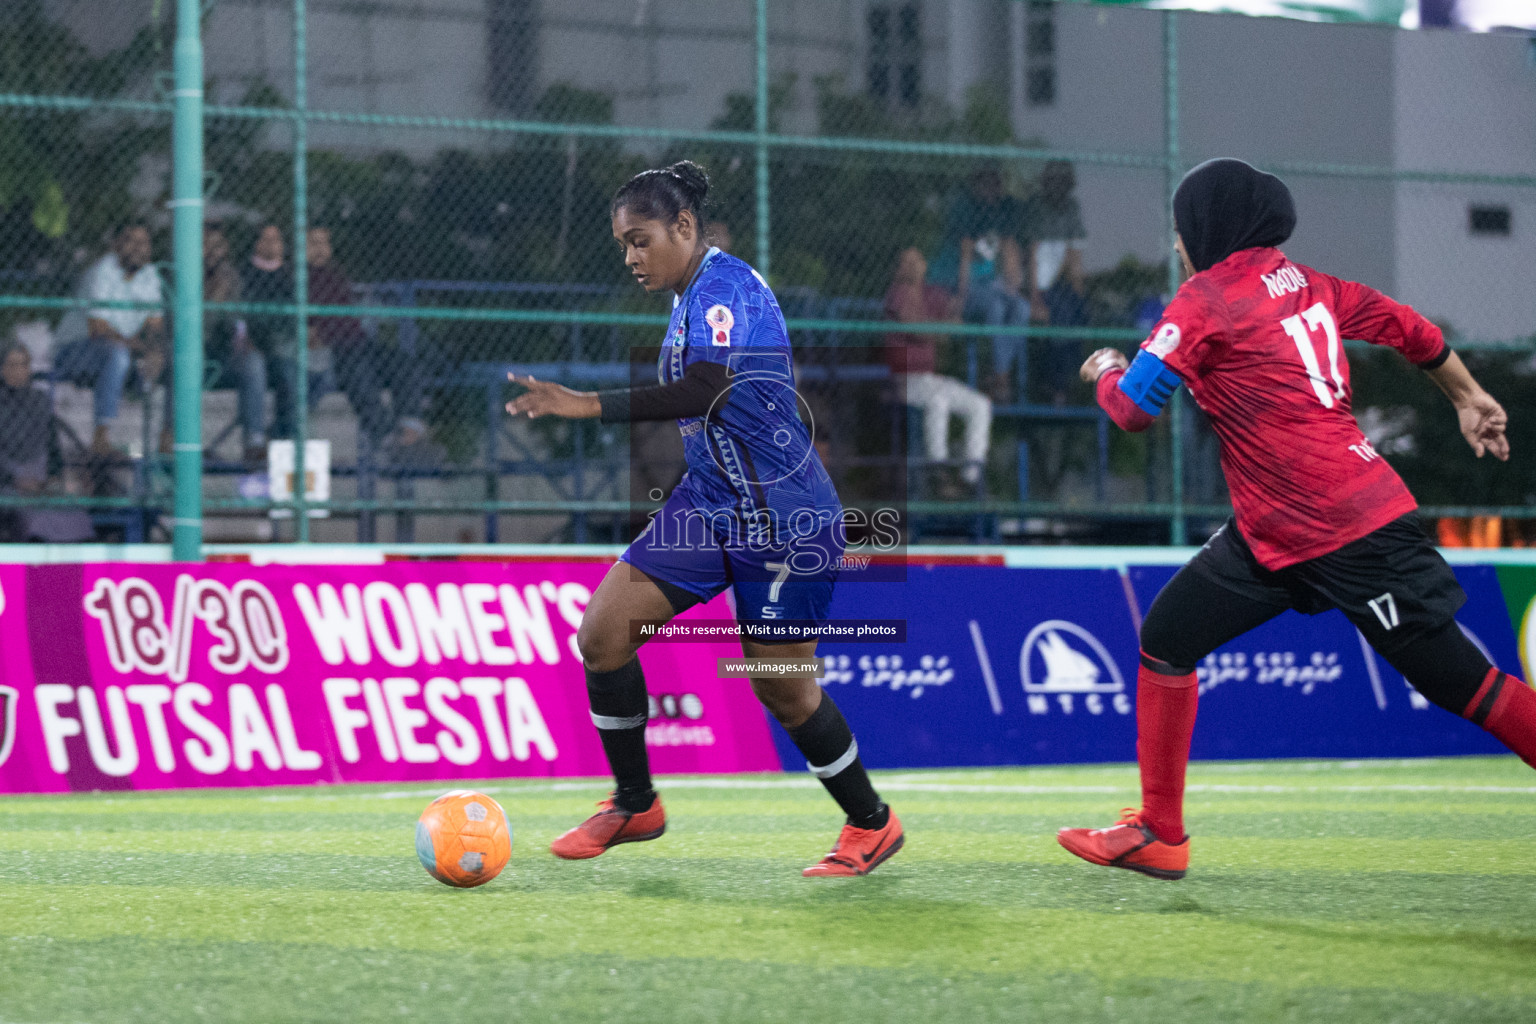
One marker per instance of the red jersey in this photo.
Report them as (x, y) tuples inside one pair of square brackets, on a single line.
[(1258, 340)]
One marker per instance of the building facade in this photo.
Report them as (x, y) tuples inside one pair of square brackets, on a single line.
[(1077, 77)]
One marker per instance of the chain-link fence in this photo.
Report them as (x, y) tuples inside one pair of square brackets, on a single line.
[(442, 170)]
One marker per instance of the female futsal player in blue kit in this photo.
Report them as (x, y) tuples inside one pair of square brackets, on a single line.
[(755, 512)]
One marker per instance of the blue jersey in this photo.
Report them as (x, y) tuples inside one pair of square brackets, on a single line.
[(752, 456)]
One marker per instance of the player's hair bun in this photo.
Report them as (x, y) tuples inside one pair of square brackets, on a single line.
[(694, 182), (664, 192)]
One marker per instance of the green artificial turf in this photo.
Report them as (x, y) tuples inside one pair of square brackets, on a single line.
[(1362, 891)]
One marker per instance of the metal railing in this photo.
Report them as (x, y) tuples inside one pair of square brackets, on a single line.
[(182, 107)]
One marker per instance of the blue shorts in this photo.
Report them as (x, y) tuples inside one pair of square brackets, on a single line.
[(694, 556)]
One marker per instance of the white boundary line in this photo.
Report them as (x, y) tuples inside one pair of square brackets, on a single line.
[(898, 786)]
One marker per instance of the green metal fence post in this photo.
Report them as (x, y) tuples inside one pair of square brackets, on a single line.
[(300, 267), (187, 244), (193, 117), (1178, 526), (761, 130)]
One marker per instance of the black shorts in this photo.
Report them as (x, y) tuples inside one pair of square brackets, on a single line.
[(1391, 583)]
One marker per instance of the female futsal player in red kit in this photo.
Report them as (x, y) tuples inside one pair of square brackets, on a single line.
[(1321, 520)]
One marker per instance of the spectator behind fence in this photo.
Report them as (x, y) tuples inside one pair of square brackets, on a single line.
[(1057, 292), (982, 262), (233, 361), (30, 457), (914, 357), (267, 277), (364, 367), (97, 345)]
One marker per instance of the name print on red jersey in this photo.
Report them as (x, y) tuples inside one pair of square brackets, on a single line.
[(1284, 281)]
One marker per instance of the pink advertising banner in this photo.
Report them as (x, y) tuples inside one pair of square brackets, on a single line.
[(176, 676)]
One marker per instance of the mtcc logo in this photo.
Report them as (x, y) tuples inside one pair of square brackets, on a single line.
[(1064, 660)]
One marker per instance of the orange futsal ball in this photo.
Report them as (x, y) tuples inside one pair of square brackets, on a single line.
[(463, 839)]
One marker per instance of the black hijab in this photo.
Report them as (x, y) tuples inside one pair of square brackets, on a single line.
[(1226, 205)]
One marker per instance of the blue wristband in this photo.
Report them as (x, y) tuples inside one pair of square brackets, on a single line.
[(1149, 383)]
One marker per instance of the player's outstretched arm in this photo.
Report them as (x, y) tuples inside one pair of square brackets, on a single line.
[(1104, 370), (701, 388), (546, 398), (1482, 418)]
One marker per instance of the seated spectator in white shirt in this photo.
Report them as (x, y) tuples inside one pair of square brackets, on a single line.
[(97, 345), (914, 358)]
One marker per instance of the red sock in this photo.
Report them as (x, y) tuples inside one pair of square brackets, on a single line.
[(1165, 721), (1506, 707)]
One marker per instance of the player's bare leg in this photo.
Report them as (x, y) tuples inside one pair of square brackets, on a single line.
[(608, 639), (872, 832)]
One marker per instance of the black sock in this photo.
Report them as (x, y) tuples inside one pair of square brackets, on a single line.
[(619, 710), (832, 756)]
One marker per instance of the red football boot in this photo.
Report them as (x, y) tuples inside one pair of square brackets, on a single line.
[(858, 851), (1128, 844), (610, 826)]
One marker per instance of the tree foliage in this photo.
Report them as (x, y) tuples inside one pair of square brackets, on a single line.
[(65, 174)]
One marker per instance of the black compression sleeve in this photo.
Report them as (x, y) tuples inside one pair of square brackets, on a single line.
[(701, 387)]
